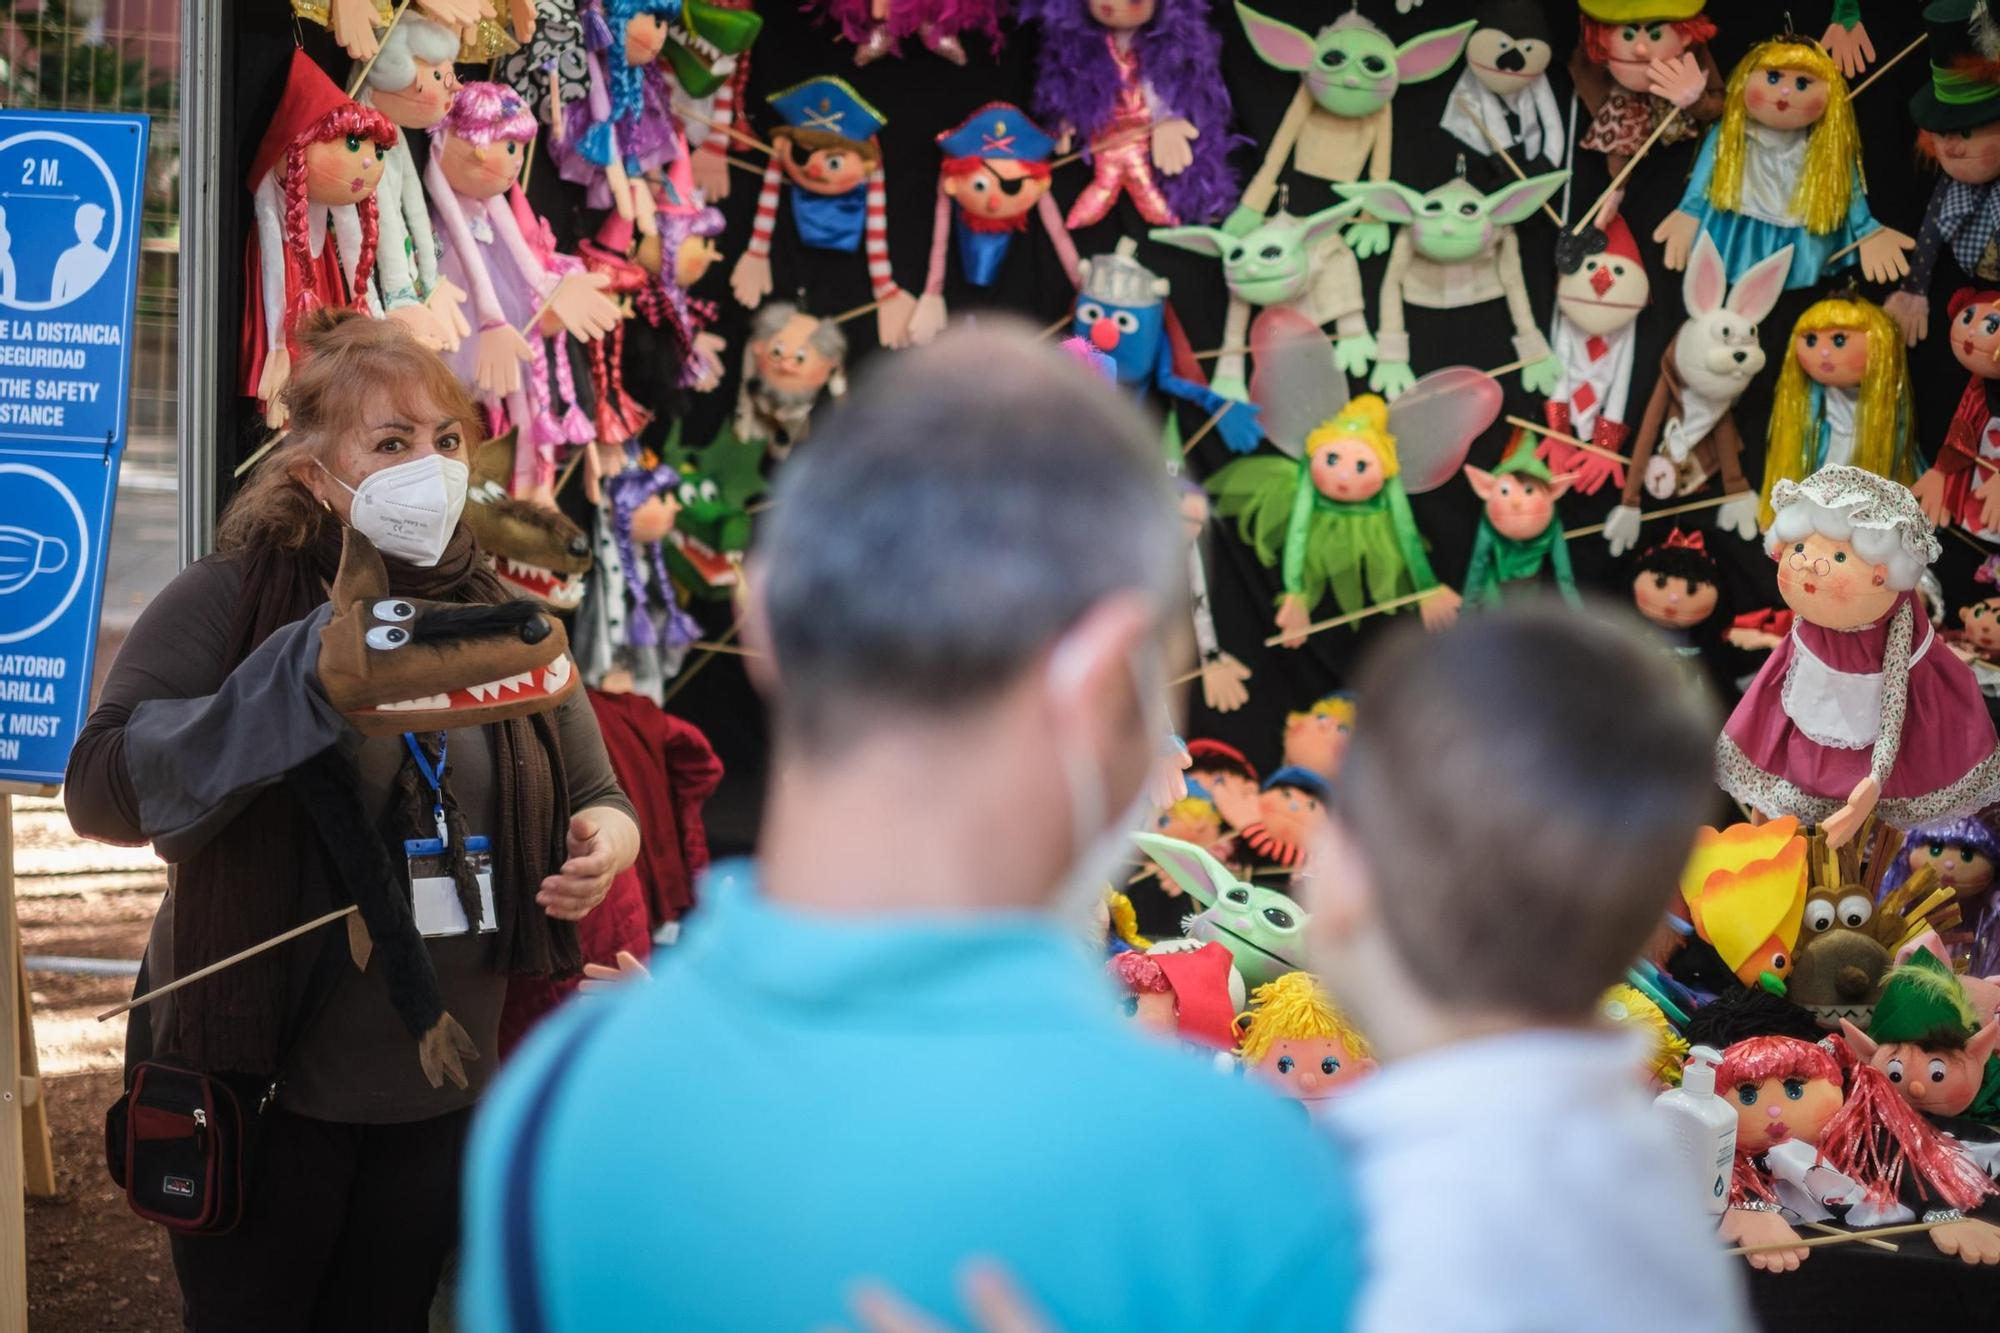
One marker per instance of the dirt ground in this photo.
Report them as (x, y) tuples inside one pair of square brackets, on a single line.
[(93, 1267)]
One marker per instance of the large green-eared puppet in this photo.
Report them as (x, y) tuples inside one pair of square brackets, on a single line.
[(1337, 125), (1284, 263), (1333, 510)]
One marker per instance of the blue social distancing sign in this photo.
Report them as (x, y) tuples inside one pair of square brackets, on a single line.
[(70, 198)]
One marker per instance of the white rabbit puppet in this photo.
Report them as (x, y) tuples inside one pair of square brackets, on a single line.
[(1688, 435)]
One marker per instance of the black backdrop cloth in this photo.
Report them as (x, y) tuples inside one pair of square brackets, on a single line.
[(921, 94)]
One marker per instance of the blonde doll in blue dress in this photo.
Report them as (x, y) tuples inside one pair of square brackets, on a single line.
[(1783, 167)]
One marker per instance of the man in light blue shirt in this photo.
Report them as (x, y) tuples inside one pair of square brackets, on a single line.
[(885, 1052)]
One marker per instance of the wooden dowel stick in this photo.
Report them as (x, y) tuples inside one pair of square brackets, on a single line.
[(262, 449), (747, 140), (1570, 440), (361, 75), (1618, 181), (689, 672), (1057, 327), (1843, 1238), (569, 468), (1825, 1230), (1711, 502), (1130, 136), (733, 649), (1465, 105), (221, 963), (1206, 427), (857, 312), (1393, 604), (1507, 369), (742, 165), (1885, 66)]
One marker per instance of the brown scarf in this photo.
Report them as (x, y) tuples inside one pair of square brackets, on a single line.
[(265, 872)]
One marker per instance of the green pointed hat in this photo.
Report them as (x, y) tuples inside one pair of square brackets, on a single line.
[(1923, 1003), (1521, 459)]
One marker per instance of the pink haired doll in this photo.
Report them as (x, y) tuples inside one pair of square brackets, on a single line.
[(623, 131), (475, 162)]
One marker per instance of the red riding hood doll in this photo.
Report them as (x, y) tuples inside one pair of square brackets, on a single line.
[(315, 173)]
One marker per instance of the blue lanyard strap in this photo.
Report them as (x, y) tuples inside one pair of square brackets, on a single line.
[(433, 776)]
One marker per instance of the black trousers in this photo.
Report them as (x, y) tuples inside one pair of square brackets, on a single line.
[(347, 1228)]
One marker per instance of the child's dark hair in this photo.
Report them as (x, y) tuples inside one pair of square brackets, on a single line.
[(1523, 797)]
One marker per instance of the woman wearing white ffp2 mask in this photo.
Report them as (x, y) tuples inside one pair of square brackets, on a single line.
[(408, 503)]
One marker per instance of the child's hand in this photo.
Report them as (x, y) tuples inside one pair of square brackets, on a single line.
[(598, 977)]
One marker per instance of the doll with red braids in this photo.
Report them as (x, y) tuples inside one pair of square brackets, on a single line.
[(317, 165)]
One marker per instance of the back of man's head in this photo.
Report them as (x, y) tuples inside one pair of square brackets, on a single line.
[(1524, 790), (968, 504)]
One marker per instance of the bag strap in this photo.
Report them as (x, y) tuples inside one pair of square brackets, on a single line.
[(525, 1308)]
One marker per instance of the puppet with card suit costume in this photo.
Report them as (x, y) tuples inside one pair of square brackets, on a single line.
[(828, 149), (472, 178), (1958, 130), (1144, 89), (1332, 511), (1688, 436), (1963, 485), (319, 161), (1597, 312), (1338, 124), (1859, 709), (995, 174)]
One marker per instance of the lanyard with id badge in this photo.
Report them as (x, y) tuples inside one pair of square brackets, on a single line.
[(433, 892)]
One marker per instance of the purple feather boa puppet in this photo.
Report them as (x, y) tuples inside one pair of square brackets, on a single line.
[(939, 23), (1077, 87)]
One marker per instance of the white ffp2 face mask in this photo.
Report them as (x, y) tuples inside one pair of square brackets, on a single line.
[(409, 510), (1103, 839)]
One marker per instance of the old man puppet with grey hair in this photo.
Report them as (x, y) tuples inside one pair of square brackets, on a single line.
[(1860, 709), (791, 360)]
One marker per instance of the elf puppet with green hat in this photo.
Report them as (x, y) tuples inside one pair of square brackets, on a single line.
[(1519, 532), (1930, 1042), (1958, 127)]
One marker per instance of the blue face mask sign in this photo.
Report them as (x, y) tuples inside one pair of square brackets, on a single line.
[(69, 246)]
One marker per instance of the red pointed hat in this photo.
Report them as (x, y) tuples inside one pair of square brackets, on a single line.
[(1618, 241), (309, 95), (1200, 978)]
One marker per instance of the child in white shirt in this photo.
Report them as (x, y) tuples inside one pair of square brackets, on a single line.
[(1510, 825)]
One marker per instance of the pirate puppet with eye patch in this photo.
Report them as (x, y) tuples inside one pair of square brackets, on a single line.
[(995, 174), (827, 149)]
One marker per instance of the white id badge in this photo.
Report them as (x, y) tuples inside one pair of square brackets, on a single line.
[(433, 895)]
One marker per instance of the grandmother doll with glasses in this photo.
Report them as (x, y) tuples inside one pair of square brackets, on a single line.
[(1859, 709)]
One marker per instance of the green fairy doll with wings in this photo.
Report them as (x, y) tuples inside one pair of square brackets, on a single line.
[(1332, 512)]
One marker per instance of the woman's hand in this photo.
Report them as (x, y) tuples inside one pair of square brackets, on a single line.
[(602, 841)]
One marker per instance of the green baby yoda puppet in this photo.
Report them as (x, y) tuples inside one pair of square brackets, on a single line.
[(1457, 248), (1263, 930), (1333, 510), (1284, 263), (1519, 532), (1338, 122)]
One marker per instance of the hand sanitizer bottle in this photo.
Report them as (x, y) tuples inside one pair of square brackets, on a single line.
[(1704, 1126)]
